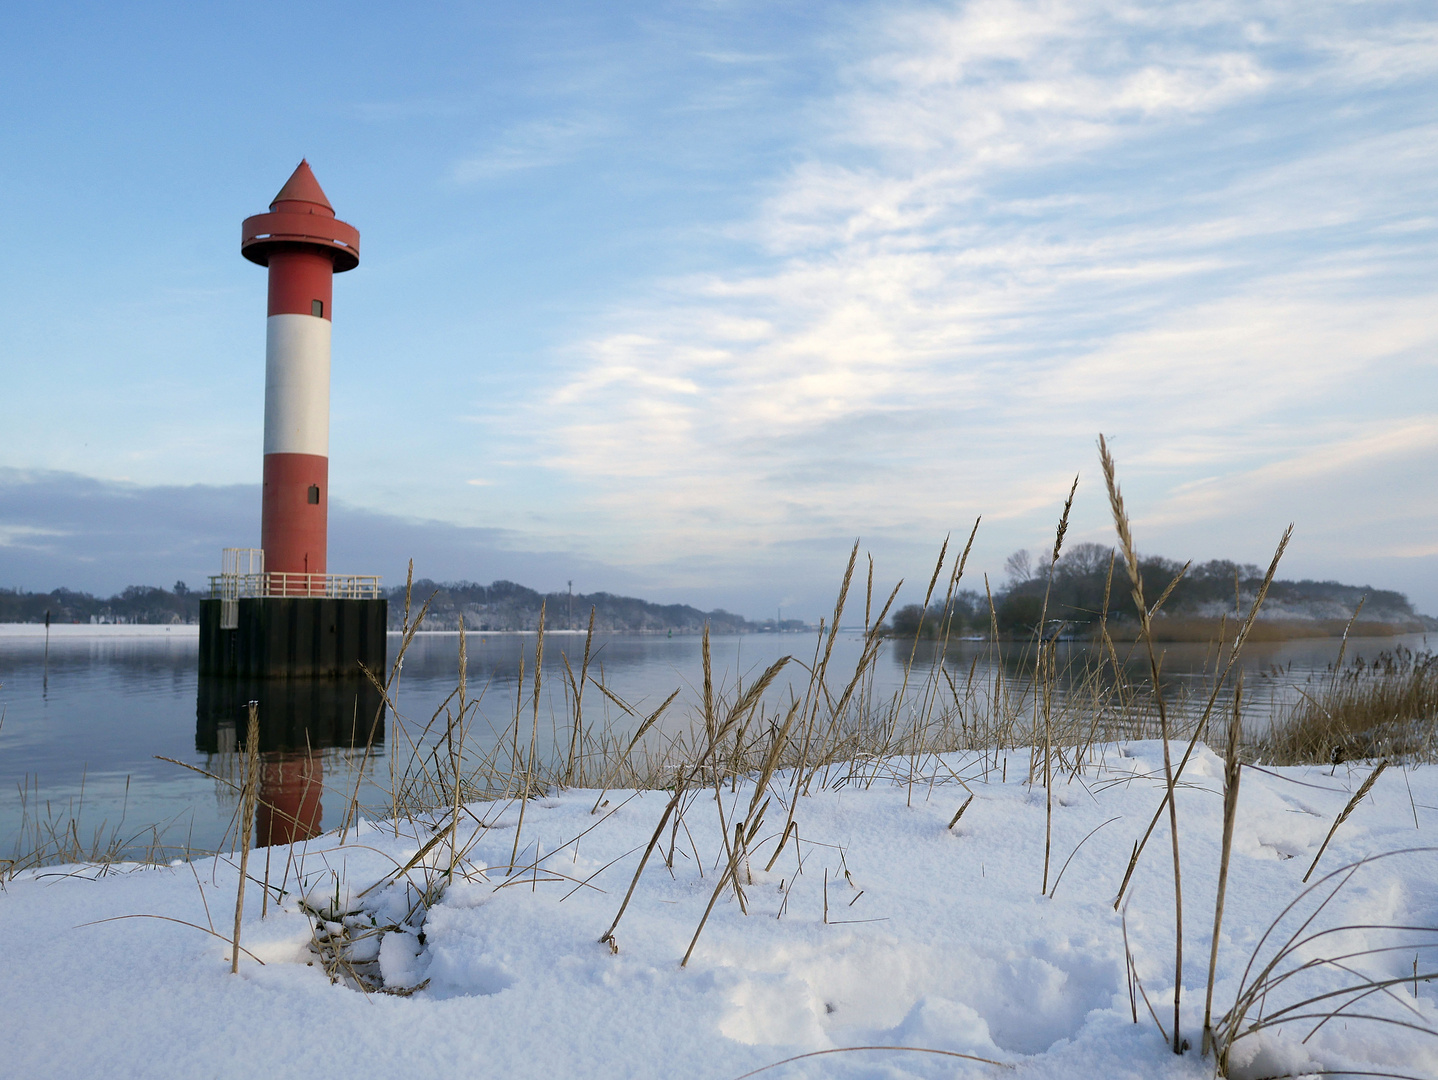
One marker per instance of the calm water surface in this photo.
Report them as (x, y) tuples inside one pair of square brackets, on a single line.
[(82, 732)]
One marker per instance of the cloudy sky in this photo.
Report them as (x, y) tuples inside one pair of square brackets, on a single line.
[(680, 299)]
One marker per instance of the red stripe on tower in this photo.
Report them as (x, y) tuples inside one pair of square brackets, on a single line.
[(304, 245)]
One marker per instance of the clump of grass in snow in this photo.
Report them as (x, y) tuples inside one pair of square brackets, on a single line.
[(1316, 974)]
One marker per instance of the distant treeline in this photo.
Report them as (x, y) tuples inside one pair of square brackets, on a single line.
[(1080, 581), (136, 604), (503, 605), (1076, 599)]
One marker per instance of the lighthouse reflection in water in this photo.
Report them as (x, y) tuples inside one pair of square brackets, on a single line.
[(299, 719)]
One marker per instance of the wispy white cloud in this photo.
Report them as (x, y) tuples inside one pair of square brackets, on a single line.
[(28, 536), (1021, 223), (534, 144), (411, 108), (1374, 444)]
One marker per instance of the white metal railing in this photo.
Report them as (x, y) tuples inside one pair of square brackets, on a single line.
[(236, 564), (277, 583), (245, 577), (242, 561)]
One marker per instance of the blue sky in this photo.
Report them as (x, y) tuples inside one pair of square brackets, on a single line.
[(681, 299)]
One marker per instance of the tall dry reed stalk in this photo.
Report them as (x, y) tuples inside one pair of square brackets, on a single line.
[(1232, 775), (1358, 797), (1042, 672), (1130, 554), (1220, 679), (533, 740), (247, 818)]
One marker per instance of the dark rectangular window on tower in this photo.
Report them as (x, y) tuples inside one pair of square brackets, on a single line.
[(315, 488), (317, 308)]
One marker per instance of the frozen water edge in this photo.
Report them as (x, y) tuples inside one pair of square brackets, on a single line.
[(935, 938)]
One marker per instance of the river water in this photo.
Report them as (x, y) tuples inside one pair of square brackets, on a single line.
[(86, 723)]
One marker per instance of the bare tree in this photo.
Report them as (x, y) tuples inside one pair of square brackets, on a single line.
[(1083, 560), (1019, 566)]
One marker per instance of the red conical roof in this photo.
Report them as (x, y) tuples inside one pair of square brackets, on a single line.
[(300, 216), (302, 187)]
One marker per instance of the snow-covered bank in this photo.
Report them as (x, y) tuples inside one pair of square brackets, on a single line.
[(98, 630), (899, 931)]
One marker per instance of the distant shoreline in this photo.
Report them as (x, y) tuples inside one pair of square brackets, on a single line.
[(1200, 630), (1173, 629), (72, 631), (100, 630), (1180, 628)]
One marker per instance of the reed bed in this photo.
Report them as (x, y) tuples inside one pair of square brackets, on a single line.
[(1386, 707), (51, 834)]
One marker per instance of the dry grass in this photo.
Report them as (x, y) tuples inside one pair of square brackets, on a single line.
[(50, 835), (1200, 629), (1383, 708), (830, 730), (1287, 968)]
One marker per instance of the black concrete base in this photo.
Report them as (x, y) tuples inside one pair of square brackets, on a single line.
[(294, 637), (294, 714)]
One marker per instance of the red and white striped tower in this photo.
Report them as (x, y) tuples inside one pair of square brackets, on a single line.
[(304, 245)]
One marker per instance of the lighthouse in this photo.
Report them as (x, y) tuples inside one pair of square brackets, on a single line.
[(276, 610), (303, 245)]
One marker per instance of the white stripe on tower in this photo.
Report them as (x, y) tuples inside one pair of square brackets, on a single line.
[(297, 385)]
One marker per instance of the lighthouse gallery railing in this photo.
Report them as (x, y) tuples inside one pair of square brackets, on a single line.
[(230, 589)]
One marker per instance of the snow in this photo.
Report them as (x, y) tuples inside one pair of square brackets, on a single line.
[(935, 938)]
